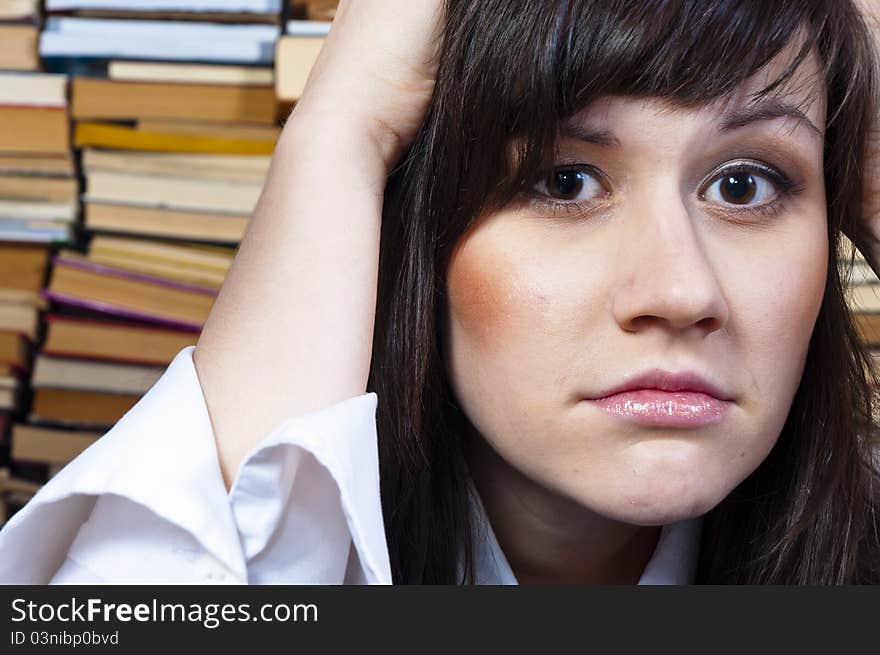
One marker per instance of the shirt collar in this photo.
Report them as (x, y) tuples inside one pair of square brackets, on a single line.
[(674, 561)]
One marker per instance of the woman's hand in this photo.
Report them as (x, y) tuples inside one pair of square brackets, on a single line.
[(376, 70), (292, 328)]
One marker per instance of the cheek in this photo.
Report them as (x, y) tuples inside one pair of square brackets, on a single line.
[(780, 300), (503, 329), (480, 293), (777, 286), (498, 300)]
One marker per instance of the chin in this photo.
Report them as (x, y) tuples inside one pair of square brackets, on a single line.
[(668, 486), (659, 510)]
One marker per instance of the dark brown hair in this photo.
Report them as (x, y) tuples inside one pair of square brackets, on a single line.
[(510, 72)]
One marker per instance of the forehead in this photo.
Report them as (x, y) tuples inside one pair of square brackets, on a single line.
[(804, 90)]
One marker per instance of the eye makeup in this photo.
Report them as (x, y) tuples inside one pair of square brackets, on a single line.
[(784, 187)]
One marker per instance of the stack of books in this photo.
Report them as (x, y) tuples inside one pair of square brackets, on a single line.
[(38, 206), (177, 118), (175, 115), (176, 106), (161, 283), (19, 29), (120, 311), (22, 270), (174, 121), (38, 190)]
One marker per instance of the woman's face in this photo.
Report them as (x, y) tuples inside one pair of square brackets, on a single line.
[(685, 241)]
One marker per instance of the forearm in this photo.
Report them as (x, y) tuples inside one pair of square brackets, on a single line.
[(291, 330)]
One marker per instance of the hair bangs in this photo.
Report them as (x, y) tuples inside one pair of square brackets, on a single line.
[(688, 52)]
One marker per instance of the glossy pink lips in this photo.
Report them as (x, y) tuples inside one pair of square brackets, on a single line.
[(662, 397), (670, 408)]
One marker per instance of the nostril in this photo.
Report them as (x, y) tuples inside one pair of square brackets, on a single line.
[(710, 323), (640, 323), (706, 324)]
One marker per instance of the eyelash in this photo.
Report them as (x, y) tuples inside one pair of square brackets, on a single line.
[(784, 187)]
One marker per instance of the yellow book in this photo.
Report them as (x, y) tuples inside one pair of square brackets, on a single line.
[(46, 189), (202, 265), (218, 130), (106, 135), (39, 444), (167, 271), (97, 99), (211, 259), (148, 71), (164, 222), (18, 47), (239, 169)]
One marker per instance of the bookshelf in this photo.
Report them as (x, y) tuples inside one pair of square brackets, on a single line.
[(135, 137)]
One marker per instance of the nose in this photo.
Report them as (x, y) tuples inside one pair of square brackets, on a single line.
[(666, 278)]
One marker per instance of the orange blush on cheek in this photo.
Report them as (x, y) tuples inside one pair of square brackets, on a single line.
[(479, 293), (496, 298)]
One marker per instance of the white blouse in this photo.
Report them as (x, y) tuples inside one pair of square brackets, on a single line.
[(146, 504)]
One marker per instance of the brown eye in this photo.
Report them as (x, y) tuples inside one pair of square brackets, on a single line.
[(738, 188), (575, 184), (566, 184), (745, 185)]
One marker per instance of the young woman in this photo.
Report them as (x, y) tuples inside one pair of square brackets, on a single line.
[(560, 279)]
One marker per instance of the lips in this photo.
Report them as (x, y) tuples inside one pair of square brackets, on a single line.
[(662, 398)]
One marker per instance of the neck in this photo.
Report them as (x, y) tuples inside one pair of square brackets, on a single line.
[(549, 538)]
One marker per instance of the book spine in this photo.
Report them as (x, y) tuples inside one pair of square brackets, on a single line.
[(104, 269), (112, 322), (107, 308)]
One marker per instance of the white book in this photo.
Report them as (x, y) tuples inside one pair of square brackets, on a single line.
[(246, 169), (50, 211), (33, 89), (120, 27), (174, 193), (172, 162), (160, 40), (18, 9), (308, 27), (236, 6), (34, 231), (148, 71), (85, 375)]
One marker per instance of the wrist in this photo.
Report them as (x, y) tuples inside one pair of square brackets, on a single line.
[(332, 147), (334, 125)]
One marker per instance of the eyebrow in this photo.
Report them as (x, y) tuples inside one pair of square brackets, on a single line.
[(733, 120), (765, 111), (588, 134)]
